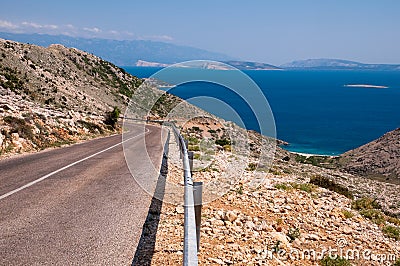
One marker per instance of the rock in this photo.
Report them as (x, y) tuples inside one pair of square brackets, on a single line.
[(216, 222), (347, 230), (280, 237), (217, 261), (180, 209), (230, 216), (216, 231), (230, 240), (250, 224), (14, 137), (313, 237)]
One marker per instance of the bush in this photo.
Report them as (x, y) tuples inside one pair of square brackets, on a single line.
[(306, 187), (193, 148), (223, 142), (325, 182), (293, 234), (20, 126), (393, 220), (111, 118), (392, 232), (375, 216), (365, 203), (93, 128), (193, 141), (347, 214), (227, 147), (328, 261), (397, 263), (283, 186), (251, 167)]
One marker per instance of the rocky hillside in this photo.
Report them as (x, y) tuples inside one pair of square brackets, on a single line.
[(56, 95), (300, 214), (377, 159), (64, 77)]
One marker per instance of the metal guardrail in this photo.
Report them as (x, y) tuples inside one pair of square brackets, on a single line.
[(192, 199), (192, 205)]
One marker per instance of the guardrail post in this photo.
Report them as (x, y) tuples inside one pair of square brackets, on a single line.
[(198, 202), (191, 155)]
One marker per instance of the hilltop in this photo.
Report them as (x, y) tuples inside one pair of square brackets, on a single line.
[(378, 159)]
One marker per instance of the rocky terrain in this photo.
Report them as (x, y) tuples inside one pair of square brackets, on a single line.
[(56, 95), (297, 209), (377, 159), (27, 126)]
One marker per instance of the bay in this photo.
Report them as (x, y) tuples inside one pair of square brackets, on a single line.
[(315, 111)]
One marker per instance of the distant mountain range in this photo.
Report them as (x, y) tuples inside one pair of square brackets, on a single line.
[(151, 53), (242, 65), (336, 64), (122, 53)]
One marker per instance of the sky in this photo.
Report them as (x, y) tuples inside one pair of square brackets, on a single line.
[(274, 32)]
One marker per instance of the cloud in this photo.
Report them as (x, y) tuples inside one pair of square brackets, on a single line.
[(8, 25), (93, 30), (39, 26), (114, 32), (76, 31)]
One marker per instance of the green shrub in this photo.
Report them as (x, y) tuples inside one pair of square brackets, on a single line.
[(293, 234), (283, 186), (307, 187), (223, 142), (365, 203), (339, 261), (239, 190), (376, 216), (274, 171), (227, 148), (251, 167), (392, 232), (212, 131), (393, 220), (347, 214), (329, 184), (111, 118), (193, 140), (193, 148), (397, 263)]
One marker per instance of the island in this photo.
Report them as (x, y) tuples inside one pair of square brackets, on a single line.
[(365, 86)]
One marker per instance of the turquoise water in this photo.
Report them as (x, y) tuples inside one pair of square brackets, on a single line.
[(313, 110)]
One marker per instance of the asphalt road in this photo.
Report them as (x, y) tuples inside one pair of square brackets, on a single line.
[(90, 213)]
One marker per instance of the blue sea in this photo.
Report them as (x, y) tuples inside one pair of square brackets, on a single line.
[(313, 110)]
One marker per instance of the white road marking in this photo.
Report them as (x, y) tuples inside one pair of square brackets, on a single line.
[(67, 166)]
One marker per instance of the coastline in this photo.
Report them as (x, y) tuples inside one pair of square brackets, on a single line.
[(312, 154)]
